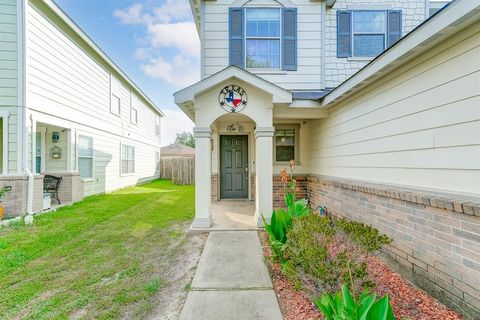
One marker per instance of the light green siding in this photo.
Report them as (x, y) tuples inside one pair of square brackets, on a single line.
[(9, 77)]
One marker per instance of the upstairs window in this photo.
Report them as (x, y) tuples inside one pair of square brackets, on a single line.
[(369, 30), (263, 38), (133, 116), (367, 33), (115, 94)]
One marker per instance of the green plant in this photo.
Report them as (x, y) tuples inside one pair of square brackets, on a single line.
[(326, 258), (369, 238), (344, 306), (4, 191), (281, 220)]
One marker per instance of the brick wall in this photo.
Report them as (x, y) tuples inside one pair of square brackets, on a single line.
[(71, 187), (279, 190), (436, 236), (15, 201)]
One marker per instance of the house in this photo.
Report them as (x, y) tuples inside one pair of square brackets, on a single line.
[(376, 101), (67, 110), (177, 150)]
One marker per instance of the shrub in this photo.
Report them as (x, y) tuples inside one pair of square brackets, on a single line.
[(369, 238), (344, 306), (324, 257)]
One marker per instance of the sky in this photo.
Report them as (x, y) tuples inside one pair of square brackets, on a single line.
[(153, 41)]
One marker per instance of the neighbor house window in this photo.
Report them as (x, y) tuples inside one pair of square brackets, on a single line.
[(128, 159), (263, 38), (85, 156), (133, 116), (286, 144), (157, 125), (115, 106)]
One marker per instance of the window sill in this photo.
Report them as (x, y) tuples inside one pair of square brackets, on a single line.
[(266, 71), (85, 180), (127, 174), (286, 163), (360, 58)]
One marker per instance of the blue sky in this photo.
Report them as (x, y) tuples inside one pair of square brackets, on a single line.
[(153, 41)]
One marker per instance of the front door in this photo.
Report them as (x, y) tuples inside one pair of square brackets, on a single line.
[(234, 167)]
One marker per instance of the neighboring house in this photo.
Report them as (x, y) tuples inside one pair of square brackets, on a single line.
[(390, 140), (177, 150), (67, 110)]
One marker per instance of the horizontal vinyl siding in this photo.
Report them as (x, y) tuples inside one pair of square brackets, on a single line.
[(8, 53), (419, 127), (66, 79), (307, 76)]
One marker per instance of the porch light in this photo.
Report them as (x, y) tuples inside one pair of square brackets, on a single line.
[(56, 152)]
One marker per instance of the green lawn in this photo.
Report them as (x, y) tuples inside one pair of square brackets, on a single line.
[(99, 258)]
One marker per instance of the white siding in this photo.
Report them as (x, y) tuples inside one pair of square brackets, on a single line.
[(215, 43), (309, 73), (68, 81), (420, 126)]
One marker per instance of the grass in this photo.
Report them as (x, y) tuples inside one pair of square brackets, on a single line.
[(100, 258)]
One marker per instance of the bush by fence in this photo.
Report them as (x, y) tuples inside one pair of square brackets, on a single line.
[(179, 170)]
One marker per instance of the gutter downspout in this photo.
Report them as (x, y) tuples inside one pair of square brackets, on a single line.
[(26, 170)]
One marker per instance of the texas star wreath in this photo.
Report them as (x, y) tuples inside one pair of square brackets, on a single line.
[(232, 98)]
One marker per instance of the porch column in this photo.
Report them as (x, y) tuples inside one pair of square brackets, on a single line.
[(203, 173), (263, 173)]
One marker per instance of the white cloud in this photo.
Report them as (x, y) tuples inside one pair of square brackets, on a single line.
[(179, 71), (168, 25), (131, 15), (175, 122), (172, 10), (180, 35)]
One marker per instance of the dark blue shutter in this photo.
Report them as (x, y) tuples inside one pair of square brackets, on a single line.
[(344, 34), (394, 29), (289, 39), (236, 30)]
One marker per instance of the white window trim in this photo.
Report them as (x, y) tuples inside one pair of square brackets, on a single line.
[(263, 70), (119, 104), (121, 160), (282, 126), (136, 116), (86, 179), (5, 115), (385, 33)]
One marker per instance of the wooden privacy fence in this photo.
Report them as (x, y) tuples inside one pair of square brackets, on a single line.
[(179, 170)]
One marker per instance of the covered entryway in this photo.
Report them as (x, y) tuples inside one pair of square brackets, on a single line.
[(234, 167), (232, 99)]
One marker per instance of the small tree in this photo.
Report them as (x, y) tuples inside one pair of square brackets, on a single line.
[(186, 138)]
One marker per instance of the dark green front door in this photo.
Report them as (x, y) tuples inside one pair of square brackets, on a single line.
[(234, 167)]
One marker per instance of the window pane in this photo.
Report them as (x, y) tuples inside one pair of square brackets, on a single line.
[(369, 21), (124, 166), (85, 167), (263, 53), (369, 45), (285, 153), (263, 22), (85, 146), (285, 137)]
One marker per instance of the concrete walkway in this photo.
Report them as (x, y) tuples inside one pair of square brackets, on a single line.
[(231, 281)]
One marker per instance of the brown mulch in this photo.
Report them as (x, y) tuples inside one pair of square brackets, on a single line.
[(408, 302)]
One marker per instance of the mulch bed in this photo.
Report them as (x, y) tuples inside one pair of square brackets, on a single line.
[(408, 302)]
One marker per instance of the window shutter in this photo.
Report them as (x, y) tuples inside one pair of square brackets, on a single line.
[(289, 39), (394, 29), (236, 31), (344, 34)]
